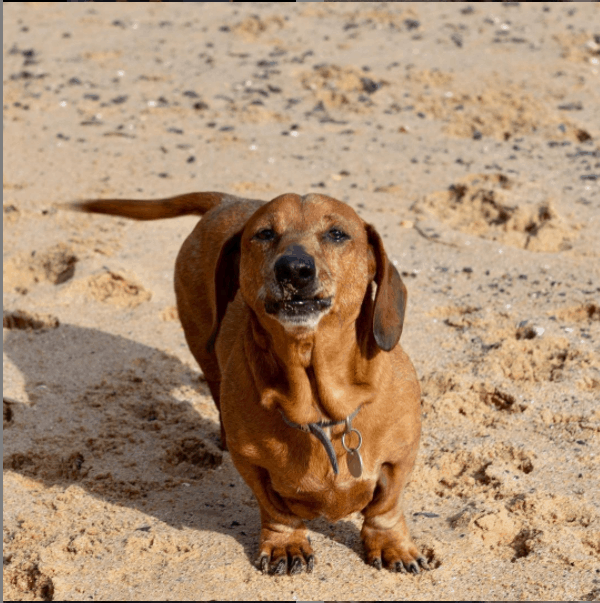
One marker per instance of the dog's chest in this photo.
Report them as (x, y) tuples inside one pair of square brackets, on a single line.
[(329, 495)]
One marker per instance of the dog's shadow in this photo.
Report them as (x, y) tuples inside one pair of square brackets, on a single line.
[(131, 425)]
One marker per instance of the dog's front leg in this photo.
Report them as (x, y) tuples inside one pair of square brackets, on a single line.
[(284, 545), (385, 535)]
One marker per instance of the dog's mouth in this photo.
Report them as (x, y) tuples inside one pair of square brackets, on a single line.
[(297, 307)]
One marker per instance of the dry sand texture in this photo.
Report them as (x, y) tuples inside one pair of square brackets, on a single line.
[(467, 133)]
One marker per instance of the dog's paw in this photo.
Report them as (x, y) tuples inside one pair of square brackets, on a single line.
[(282, 553), (393, 550)]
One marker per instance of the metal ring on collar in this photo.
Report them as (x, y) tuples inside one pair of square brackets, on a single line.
[(344, 440)]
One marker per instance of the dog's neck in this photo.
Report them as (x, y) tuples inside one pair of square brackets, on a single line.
[(325, 375)]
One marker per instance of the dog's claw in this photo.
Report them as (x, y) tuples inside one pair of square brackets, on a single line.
[(399, 567), (412, 567), (297, 565), (263, 563), (376, 563), (280, 567), (310, 564), (423, 563)]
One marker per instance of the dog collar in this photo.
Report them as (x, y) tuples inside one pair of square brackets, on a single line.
[(317, 430)]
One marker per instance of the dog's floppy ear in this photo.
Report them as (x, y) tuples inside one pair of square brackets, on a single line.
[(227, 283), (390, 299)]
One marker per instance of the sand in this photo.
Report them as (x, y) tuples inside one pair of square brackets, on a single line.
[(466, 133)]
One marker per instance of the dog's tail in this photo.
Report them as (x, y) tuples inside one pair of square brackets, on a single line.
[(171, 207)]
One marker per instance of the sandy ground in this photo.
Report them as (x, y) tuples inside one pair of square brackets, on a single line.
[(468, 134)]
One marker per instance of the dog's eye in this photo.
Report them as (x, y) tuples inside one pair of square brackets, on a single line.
[(266, 234), (337, 235)]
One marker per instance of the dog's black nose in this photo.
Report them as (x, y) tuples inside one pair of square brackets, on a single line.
[(296, 268)]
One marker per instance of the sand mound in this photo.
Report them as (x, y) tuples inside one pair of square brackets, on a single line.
[(580, 313), (55, 264), (491, 206), (341, 87), (19, 319), (254, 27), (25, 581), (117, 288), (501, 110), (523, 352)]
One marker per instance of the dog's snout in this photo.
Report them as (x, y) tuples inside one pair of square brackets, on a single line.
[(295, 267)]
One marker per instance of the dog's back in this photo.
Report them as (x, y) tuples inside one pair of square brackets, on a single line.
[(202, 291)]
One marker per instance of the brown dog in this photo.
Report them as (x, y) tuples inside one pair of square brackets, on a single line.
[(319, 403)]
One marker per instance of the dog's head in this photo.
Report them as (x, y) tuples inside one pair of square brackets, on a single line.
[(299, 259)]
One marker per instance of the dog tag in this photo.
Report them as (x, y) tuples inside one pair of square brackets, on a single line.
[(355, 464)]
